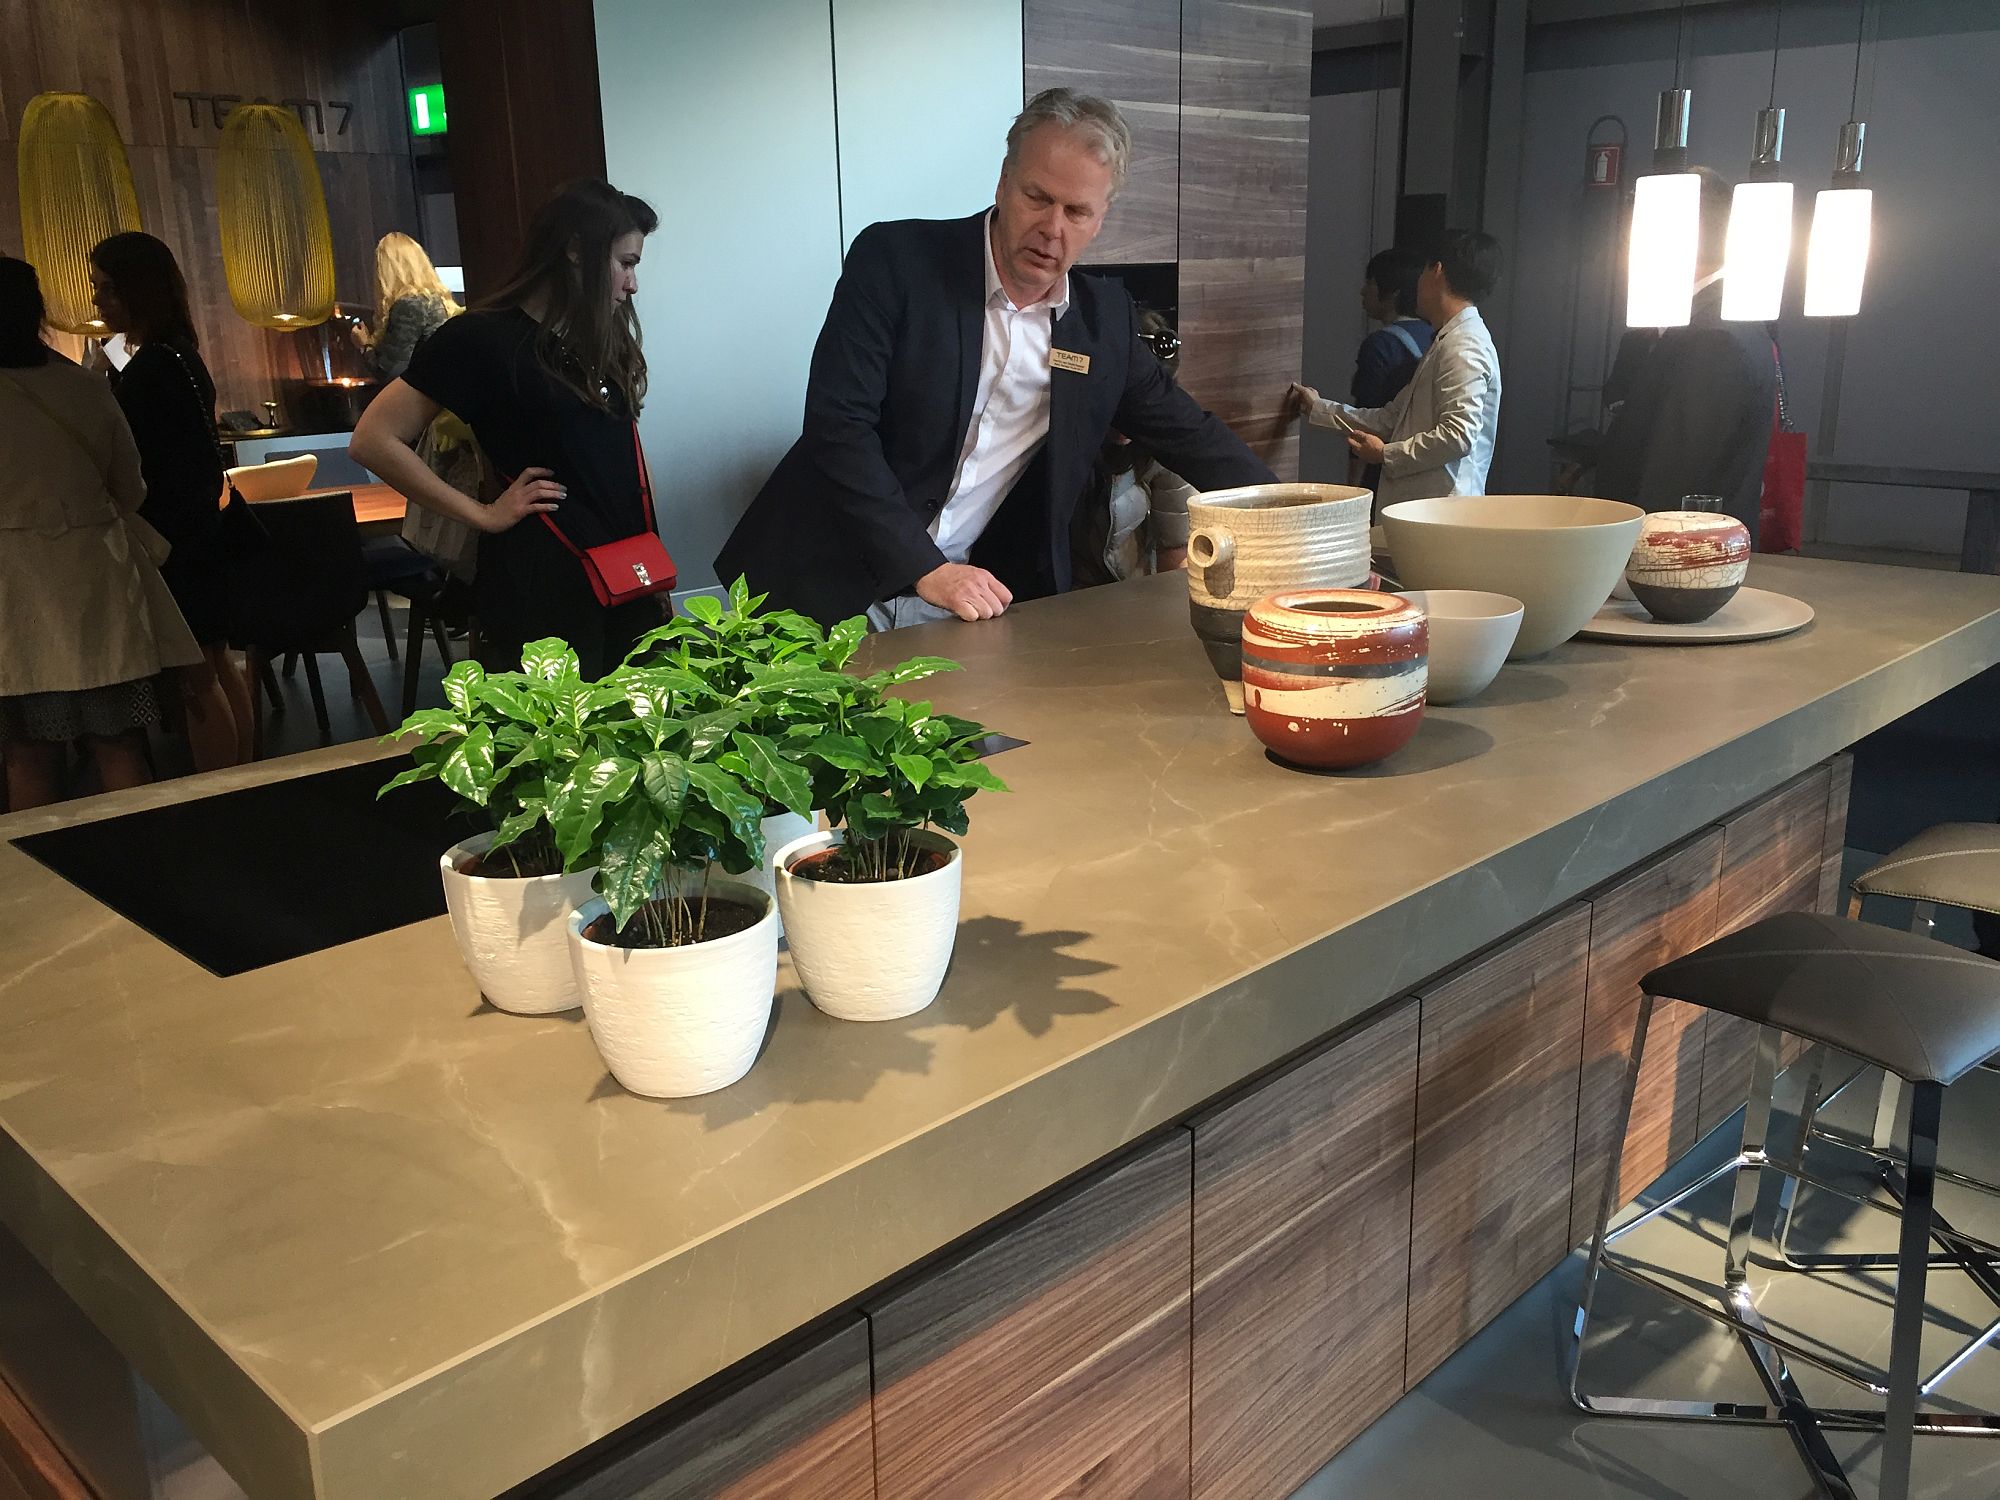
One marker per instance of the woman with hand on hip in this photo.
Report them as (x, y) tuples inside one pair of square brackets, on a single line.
[(169, 402), (549, 375)]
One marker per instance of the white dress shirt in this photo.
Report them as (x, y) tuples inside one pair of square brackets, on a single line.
[(1010, 421), (1438, 433)]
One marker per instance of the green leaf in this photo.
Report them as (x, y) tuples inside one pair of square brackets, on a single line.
[(580, 803), (798, 679), (844, 752), (665, 778), (416, 773), (628, 871), (916, 669), (845, 639), (739, 595), (951, 818), (704, 609), (461, 685), (728, 796), (430, 723), (530, 813), (918, 768), (879, 730), (548, 660), (511, 695), (706, 731), (779, 779), (468, 769), (969, 774)]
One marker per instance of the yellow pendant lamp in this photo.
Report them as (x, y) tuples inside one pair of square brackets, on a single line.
[(76, 191), (277, 247)]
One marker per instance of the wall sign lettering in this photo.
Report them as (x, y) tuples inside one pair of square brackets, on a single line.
[(218, 107)]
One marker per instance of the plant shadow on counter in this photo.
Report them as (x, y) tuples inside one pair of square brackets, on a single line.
[(848, 1059), (1438, 743)]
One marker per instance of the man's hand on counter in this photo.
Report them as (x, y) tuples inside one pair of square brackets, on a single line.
[(968, 592)]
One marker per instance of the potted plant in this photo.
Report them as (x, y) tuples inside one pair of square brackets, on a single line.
[(871, 908), (510, 744), (677, 964), (773, 668)]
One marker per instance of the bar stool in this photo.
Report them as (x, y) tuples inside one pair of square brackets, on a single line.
[(1917, 1008), (1953, 864)]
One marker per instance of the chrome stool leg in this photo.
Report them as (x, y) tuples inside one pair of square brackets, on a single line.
[(1907, 1328)]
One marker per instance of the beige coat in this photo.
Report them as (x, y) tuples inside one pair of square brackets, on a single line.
[(82, 603)]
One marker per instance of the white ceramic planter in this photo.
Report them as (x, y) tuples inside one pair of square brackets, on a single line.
[(671, 1022), (780, 829), (513, 934), (870, 952)]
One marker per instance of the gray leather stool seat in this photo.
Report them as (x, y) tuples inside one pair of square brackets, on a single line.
[(1920, 1010), (1953, 864), (1925, 1011)]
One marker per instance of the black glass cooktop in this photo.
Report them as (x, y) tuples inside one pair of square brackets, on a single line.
[(254, 877)]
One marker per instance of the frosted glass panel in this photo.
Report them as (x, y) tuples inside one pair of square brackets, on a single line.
[(721, 117), (926, 93)]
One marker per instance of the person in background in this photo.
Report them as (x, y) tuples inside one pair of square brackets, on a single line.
[(411, 304), (1436, 436), (1388, 356), (1698, 403), (1133, 518), (86, 622), (549, 375), (168, 400), (961, 387)]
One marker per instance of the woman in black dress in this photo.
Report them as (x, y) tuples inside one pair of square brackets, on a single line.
[(548, 374), (169, 403)]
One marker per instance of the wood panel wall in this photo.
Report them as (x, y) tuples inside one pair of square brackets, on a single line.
[(1302, 1261), (520, 77), (1246, 90), (1127, 51), (137, 58)]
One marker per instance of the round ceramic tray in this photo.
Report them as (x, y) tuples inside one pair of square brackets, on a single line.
[(1753, 615)]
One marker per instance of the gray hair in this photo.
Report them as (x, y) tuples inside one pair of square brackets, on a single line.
[(1096, 120)]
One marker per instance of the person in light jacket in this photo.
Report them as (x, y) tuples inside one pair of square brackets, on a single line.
[(87, 625), (1436, 437)]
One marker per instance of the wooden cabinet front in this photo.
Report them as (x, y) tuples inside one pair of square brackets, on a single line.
[(1052, 1359), (1497, 1072), (1773, 853), (1302, 1261), (1649, 917)]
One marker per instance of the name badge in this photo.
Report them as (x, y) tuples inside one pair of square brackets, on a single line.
[(1065, 359)]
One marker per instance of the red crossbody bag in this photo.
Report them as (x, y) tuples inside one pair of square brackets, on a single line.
[(633, 568)]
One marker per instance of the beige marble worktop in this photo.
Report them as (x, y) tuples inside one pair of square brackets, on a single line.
[(374, 1241)]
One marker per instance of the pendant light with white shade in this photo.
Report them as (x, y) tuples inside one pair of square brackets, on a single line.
[(1666, 217), (1758, 251), (1843, 215)]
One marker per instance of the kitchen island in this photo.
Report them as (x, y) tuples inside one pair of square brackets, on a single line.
[(1231, 1120)]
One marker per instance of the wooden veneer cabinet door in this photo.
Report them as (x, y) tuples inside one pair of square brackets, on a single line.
[(1650, 916), (1772, 857), (1051, 1359), (801, 1427), (1497, 1067), (1302, 1261)]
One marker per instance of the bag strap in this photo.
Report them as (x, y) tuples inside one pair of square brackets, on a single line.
[(1784, 406), (645, 498)]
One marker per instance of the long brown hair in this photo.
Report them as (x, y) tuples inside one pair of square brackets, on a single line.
[(585, 340), (148, 280)]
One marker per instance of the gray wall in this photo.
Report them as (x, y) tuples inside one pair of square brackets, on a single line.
[(1918, 380), (760, 130)]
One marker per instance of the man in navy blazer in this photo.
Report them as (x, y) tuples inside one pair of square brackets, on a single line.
[(962, 384)]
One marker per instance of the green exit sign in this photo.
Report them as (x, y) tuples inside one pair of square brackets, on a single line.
[(427, 110)]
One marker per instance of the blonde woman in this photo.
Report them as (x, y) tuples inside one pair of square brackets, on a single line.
[(411, 303)]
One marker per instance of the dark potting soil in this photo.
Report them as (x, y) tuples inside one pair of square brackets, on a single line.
[(830, 865), (724, 918), (503, 868)]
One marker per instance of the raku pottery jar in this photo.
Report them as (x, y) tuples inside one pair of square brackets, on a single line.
[(1687, 564), (1251, 542), (1334, 677)]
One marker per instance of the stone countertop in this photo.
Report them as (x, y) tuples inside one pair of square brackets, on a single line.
[(373, 1240)]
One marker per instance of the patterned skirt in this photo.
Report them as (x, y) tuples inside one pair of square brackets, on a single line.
[(63, 717)]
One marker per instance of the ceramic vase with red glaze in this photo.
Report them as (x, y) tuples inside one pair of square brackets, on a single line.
[(1687, 564), (1334, 677)]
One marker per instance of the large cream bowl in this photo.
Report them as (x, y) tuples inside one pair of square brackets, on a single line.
[(1558, 554)]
